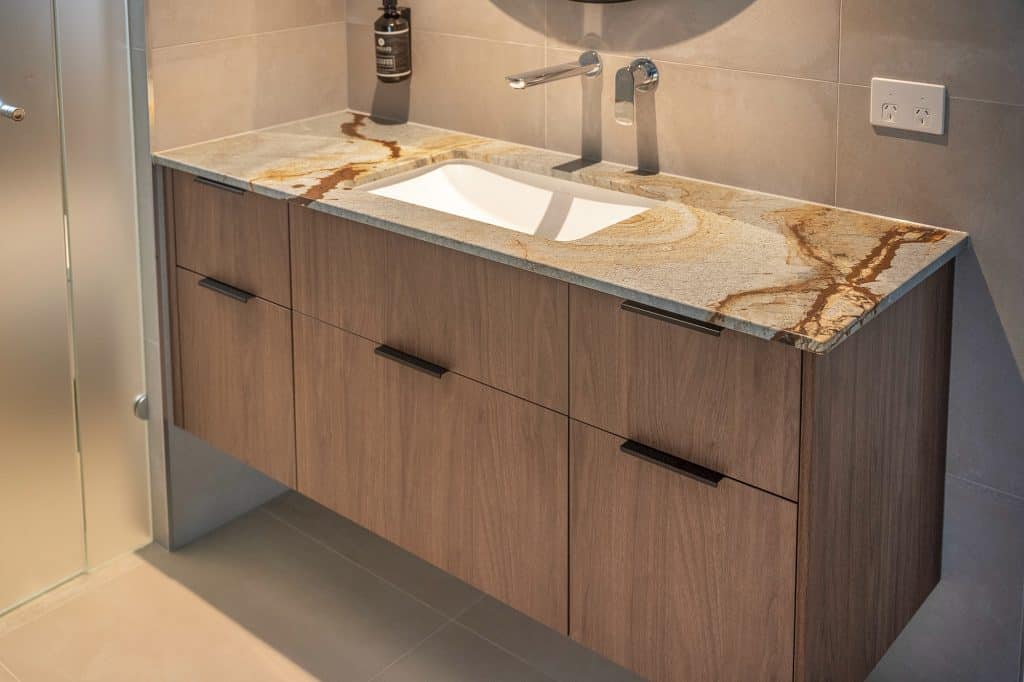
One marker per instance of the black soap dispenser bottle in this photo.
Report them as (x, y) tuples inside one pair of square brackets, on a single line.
[(392, 34)]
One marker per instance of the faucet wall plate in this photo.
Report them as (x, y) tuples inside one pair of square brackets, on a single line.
[(640, 76)]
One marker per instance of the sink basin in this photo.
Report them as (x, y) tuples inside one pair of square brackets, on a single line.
[(515, 200)]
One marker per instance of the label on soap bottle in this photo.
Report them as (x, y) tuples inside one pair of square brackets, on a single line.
[(394, 53)]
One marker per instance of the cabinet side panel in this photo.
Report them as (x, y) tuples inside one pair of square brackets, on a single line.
[(872, 464)]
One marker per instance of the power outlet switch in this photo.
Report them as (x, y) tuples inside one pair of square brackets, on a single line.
[(907, 105)]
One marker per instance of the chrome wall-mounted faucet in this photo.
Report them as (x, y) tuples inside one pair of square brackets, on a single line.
[(589, 65), (640, 76)]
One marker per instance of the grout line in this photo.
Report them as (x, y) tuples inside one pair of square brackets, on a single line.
[(241, 36), (411, 651), (358, 565), (5, 669), (953, 98), (434, 633), (511, 653), (985, 486)]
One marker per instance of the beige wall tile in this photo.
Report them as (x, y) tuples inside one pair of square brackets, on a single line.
[(207, 90), (457, 83), (202, 91), (970, 179), (177, 22), (768, 133), (517, 21), (975, 48), (790, 37), (301, 73)]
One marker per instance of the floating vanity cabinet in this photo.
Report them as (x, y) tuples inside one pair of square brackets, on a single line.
[(236, 373), (721, 399), (691, 502), (675, 577), (233, 236), (467, 477)]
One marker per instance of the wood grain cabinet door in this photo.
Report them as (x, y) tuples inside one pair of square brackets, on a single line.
[(482, 490), (500, 325), (341, 413), (236, 375), (339, 271), (234, 236), (729, 402), (676, 579)]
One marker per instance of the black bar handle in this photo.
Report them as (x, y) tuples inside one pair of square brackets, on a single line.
[(680, 466), (671, 318), (217, 185), (412, 361), (225, 289)]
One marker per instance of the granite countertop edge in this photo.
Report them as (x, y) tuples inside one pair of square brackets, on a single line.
[(429, 226)]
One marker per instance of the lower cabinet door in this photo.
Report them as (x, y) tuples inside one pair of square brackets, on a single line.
[(471, 479), (236, 374), (674, 578), (341, 417), (484, 488)]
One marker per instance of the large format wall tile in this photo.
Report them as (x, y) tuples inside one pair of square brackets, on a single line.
[(514, 21), (177, 22), (763, 132), (975, 48), (211, 89), (458, 83), (970, 179), (791, 37), (969, 628)]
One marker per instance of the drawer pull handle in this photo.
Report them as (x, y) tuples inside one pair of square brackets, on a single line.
[(680, 466), (225, 289), (218, 185), (671, 318), (412, 361)]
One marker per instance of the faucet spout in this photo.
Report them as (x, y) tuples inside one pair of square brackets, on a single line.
[(589, 65), (640, 76)]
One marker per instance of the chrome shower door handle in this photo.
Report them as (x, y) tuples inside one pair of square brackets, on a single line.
[(12, 112)]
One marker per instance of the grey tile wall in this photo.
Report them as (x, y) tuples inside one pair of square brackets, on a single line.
[(771, 95)]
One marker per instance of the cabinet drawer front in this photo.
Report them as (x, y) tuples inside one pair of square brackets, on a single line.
[(342, 417), (675, 579), (338, 271), (469, 478), (236, 375), (505, 327), (237, 237), (729, 402), (484, 488)]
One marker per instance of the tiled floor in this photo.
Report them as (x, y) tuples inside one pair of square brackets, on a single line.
[(288, 592)]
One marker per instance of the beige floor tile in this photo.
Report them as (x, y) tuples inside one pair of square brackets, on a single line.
[(142, 625), (253, 601), (66, 592)]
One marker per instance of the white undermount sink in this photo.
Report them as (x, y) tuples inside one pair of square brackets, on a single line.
[(515, 200)]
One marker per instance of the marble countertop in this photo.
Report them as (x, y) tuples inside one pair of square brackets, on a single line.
[(804, 274)]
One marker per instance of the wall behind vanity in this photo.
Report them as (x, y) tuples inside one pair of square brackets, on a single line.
[(772, 95), (219, 67)]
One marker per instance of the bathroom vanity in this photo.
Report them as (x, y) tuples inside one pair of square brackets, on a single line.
[(707, 442)]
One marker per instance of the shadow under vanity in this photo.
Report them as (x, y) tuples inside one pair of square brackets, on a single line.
[(746, 490)]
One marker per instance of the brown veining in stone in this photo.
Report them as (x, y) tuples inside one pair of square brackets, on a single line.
[(834, 282), (352, 129), (804, 274)]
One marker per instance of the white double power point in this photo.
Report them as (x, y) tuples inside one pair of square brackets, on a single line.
[(908, 105)]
